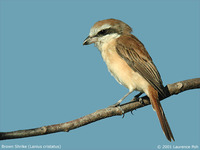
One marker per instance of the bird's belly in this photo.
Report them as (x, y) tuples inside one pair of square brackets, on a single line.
[(128, 78), (121, 71)]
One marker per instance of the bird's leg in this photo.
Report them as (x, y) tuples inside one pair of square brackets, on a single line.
[(118, 103), (136, 97)]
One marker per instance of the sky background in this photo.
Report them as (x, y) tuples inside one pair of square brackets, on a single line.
[(48, 77)]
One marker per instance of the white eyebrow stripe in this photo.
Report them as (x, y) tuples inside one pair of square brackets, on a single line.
[(94, 31)]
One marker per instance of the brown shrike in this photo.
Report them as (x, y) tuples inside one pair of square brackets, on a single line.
[(129, 62)]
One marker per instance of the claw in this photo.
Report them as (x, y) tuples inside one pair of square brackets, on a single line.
[(123, 114), (132, 112), (141, 101)]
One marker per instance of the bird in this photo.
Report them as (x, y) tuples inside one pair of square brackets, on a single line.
[(130, 64)]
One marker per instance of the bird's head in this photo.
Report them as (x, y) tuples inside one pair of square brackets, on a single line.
[(105, 30)]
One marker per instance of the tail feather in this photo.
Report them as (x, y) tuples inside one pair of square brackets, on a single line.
[(164, 124), (153, 96)]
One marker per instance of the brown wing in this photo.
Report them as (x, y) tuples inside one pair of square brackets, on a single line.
[(136, 56)]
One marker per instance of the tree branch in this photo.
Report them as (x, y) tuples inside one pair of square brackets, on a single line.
[(172, 89)]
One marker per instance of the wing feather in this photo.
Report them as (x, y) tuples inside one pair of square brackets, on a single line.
[(136, 56)]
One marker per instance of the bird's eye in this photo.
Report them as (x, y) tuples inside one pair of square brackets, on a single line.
[(106, 31), (102, 32)]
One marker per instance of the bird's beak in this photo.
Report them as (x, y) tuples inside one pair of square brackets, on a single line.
[(89, 40)]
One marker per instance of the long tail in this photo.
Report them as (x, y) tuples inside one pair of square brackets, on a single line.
[(153, 96)]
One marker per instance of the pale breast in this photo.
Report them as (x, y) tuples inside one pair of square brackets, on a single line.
[(120, 69), (116, 65)]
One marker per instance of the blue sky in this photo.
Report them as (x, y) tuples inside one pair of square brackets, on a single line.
[(48, 77)]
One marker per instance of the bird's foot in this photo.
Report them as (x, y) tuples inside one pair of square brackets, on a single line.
[(141, 101), (118, 106), (138, 99)]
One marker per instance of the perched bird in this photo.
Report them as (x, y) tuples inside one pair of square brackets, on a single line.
[(130, 63)]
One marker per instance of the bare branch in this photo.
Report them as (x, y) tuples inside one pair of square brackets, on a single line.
[(174, 88)]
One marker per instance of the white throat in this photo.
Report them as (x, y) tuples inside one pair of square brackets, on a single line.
[(105, 39)]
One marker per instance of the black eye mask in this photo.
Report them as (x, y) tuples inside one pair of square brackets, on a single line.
[(106, 31)]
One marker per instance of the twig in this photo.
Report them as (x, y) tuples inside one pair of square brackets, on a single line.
[(174, 88)]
